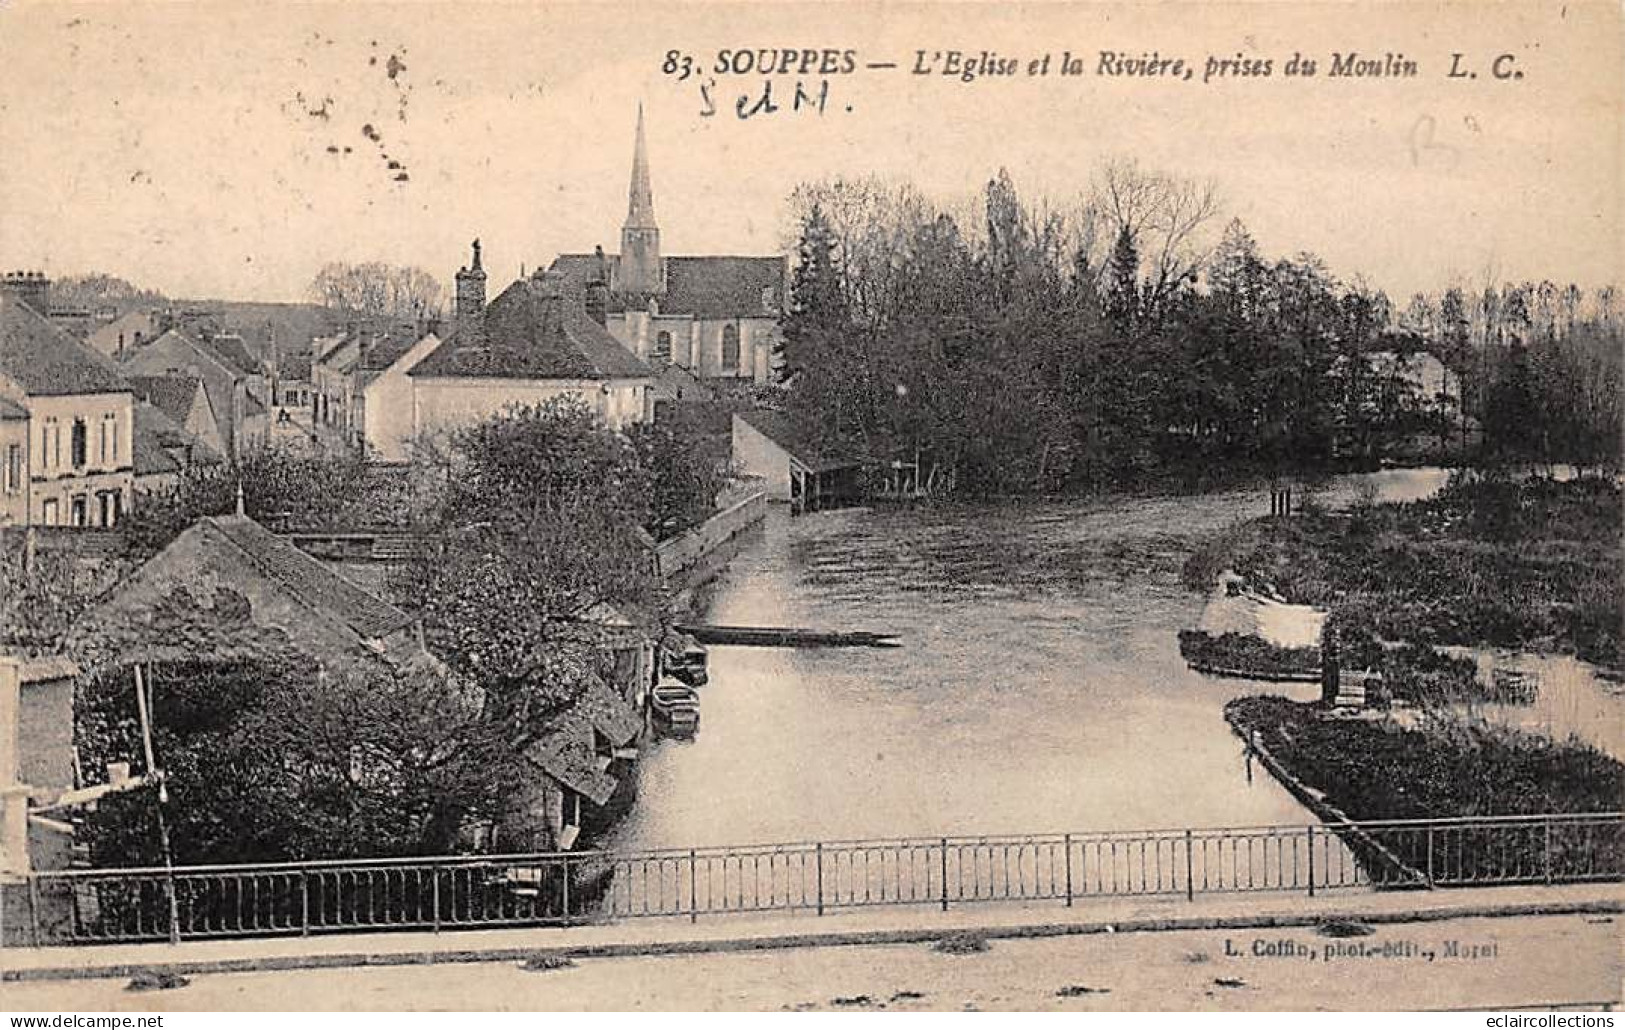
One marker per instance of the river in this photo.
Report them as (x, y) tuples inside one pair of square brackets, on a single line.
[(1039, 687)]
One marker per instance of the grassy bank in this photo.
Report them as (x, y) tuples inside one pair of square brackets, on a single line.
[(1440, 767), (1529, 564)]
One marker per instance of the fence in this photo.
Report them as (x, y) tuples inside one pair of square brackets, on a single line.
[(561, 888)]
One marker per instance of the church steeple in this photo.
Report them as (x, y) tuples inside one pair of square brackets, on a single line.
[(640, 207), (640, 271)]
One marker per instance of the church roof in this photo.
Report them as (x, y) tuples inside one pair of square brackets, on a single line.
[(702, 286), (47, 362), (531, 333)]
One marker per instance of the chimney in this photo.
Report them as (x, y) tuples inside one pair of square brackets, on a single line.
[(32, 288), (598, 289), (470, 309)]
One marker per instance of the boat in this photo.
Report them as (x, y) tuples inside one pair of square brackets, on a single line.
[(688, 665), (676, 706)]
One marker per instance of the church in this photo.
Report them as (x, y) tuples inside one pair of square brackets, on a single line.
[(716, 316)]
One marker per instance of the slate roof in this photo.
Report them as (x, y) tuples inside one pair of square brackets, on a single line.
[(530, 335), (701, 286), (783, 430), (309, 580), (173, 394), (48, 362)]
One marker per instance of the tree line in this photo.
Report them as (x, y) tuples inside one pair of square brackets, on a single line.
[(1015, 345)]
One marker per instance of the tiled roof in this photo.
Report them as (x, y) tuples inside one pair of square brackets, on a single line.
[(705, 287), (294, 367), (529, 335), (174, 395), (387, 348), (48, 362), (309, 580), (10, 410)]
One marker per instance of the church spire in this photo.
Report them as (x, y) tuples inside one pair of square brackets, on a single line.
[(640, 208)]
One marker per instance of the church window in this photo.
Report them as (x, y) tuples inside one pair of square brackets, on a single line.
[(80, 445), (662, 351), (730, 348)]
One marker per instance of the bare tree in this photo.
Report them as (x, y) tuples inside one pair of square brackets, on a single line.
[(376, 288), (1165, 215)]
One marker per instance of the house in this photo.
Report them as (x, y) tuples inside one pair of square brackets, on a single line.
[(66, 428), (717, 316), (362, 393), (233, 379), (532, 344), (277, 587), (184, 400), (792, 465), (584, 759)]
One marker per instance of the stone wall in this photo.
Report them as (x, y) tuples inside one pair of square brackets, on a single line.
[(692, 558)]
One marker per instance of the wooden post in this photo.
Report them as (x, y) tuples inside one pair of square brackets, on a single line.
[(693, 886), (566, 888), (1430, 856), (945, 874), (304, 903)]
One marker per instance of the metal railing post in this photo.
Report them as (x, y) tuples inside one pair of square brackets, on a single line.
[(1067, 843), (304, 903), (1311, 860), (945, 874), (818, 859), (1190, 869), (434, 897), (566, 888), (694, 885), (1547, 848), (1430, 856)]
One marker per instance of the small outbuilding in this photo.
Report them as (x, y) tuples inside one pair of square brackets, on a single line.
[(794, 468)]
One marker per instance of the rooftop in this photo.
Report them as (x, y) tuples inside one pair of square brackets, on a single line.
[(720, 286), (48, 362), (783, 430), (535, 329)]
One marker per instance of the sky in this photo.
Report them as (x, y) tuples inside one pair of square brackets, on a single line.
[(229, 149)]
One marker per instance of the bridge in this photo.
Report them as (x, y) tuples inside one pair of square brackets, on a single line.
[(565, 888)]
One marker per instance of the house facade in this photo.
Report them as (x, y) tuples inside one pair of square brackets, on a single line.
[(68, 426)]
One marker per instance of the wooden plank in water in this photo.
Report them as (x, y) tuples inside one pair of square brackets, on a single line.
[(786, 636)]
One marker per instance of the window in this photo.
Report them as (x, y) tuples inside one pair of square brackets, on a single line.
[(730, 348), (14, 468), (80, 445), (49, 513), (662, 351), (110, 505), (80, 508)]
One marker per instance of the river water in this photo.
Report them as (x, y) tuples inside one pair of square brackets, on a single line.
[(1039, 686)]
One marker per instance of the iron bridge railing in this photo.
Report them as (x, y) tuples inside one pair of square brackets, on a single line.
[(89, 906)]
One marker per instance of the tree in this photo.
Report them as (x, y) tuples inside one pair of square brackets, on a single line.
[(540, 521), (376, 289), (684, 479)]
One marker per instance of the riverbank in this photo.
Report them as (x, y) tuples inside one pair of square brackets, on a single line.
[(1524, 564)]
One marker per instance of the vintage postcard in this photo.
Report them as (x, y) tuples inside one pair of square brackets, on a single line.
[(811, 506)]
